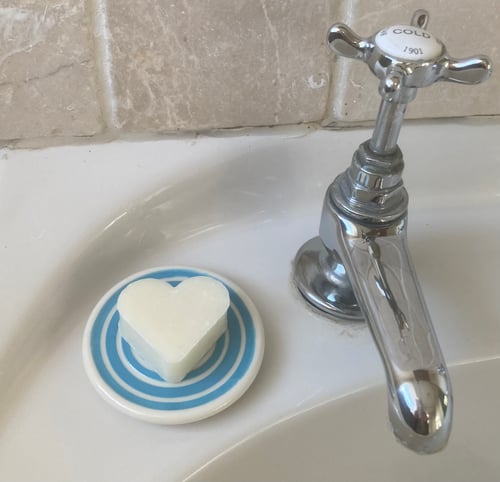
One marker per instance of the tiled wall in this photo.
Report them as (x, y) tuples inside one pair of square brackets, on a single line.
[(71, 68)]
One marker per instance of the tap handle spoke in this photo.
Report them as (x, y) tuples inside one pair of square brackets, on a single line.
[(420, 18), (471, 70), (344, 42)]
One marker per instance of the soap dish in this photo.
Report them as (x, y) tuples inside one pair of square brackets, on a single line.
[(127, 382)]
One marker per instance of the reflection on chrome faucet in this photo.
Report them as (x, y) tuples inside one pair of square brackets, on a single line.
[(360, 267), (383, 285)]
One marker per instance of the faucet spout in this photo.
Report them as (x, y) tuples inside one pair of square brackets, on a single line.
[(360, 267), (382, 276)]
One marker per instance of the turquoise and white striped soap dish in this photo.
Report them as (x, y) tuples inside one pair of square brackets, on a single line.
[(128, 383)]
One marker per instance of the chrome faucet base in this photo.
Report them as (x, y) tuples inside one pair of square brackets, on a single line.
[(321, 279)]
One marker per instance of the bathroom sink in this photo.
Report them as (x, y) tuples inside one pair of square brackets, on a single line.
[(347, 440), (76, 220)]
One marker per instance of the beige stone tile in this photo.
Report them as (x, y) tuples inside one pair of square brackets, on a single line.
[(217, 63), (47, 80), (465, 27)]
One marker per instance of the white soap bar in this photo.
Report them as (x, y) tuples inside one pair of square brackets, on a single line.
[(172, 328)]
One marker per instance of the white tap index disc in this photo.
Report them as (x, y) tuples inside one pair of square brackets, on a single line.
[(406, 42)]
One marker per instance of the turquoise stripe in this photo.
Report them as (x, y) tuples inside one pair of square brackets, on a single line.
[(170, 392)]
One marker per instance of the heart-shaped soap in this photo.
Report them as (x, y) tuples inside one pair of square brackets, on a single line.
[(172, 328)]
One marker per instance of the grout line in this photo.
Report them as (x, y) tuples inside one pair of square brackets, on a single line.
[(477, 120), (343, 11), (333, 16), (103, 62)]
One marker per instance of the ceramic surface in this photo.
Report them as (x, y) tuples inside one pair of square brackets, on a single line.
[(327, 442), (77, 220)]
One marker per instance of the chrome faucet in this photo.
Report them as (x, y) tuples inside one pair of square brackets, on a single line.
[(360, 267)]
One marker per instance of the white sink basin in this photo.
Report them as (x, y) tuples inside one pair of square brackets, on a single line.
[(347, 440), (76, 220)]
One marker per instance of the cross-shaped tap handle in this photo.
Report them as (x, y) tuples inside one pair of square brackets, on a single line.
[(418, 55), (404, 58)]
